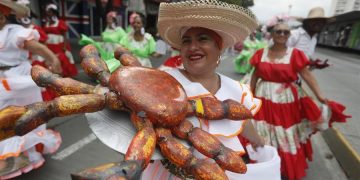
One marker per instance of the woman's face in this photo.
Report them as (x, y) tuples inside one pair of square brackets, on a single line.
[(49, 13), (110, 20), (200, 51), (280, 33), (137, 24)]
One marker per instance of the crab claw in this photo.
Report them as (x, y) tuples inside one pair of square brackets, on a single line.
[(125, 58), (122, 170), (8, 117), (212, 109)]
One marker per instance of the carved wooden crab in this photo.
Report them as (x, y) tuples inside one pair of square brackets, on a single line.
[(158, 105)]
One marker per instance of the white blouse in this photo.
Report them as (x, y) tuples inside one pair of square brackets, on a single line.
[(12, 38), (226, 130)]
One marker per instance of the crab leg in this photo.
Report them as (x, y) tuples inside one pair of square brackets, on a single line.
[(21, 120), (93, 66), (210, 146), (212, 109), (126, 170), (63, 86), (125, 58), (143, 144), (178, 154)]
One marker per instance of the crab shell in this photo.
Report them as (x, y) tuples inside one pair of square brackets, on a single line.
[(150, 93)]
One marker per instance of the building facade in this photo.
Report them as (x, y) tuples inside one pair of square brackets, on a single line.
[(344, 6)]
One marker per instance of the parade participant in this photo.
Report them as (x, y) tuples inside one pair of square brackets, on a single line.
[(57, 41), (132, 17), (287, 117), (47, 93), (305, 37), (140, 43), (251, 44), (18, 154), (201, 37), (113, 33)]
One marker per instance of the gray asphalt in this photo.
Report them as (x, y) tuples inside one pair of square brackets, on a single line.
[(337, 82)]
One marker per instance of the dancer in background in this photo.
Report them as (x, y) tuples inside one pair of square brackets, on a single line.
[(113, 33), (288, 117), (57, 41), (47, 93), (18, 154), (140, 43), (250, 45), (304, 38)]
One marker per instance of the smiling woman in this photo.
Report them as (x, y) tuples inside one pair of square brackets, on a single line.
[(288, 116), (201, 30)]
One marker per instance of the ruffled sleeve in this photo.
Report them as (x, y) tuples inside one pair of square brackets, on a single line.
[(248, 100), (256, 58), (299, 60), (24, 34), (62, 26)]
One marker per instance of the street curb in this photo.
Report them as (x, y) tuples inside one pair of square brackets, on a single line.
[(347, 157)]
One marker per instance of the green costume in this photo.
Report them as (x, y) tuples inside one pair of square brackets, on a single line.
[(141, 49), (113, 35), (107, 56), (111, 38), (242, 64)]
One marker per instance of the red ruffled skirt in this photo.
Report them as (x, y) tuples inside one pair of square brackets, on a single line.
[(287, 119)]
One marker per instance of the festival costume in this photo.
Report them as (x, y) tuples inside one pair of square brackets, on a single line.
[(112, 37), (18, 88), (55, 43), (141, 49), (287, 117), (242, 64), (225, 130)]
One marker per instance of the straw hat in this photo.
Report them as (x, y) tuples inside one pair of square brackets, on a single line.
[(17, 9), (232, 22), (316, 13)]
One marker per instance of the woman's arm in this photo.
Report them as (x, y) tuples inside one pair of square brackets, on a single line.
[(250, 134), (253, 81), (311, 81), (51, 61)]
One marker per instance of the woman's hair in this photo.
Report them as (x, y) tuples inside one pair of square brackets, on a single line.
[(278, 24)]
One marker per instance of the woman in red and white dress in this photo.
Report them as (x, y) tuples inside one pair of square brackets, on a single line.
[(56, 30), (19, 154), (288, 116), (46, 92)]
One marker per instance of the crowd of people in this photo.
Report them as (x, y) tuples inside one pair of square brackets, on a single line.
[(284, 115)]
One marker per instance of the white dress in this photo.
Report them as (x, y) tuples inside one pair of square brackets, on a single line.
[(225, 130), (17, 88)]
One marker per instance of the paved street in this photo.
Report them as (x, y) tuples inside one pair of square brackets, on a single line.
[(81, 149)]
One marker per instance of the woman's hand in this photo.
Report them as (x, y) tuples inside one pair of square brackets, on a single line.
[(322, 100), (51, 60), (55, 68)]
